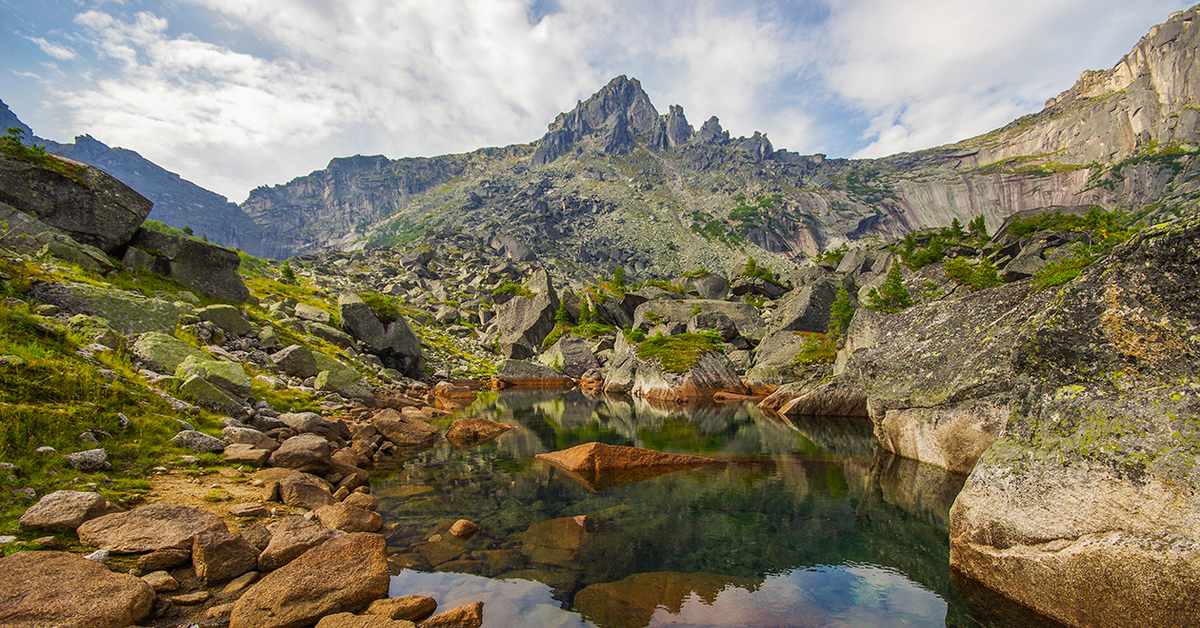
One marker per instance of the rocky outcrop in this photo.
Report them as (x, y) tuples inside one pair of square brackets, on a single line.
[(521, 374), (572, 355), (126, 312), (1085, 507), (162, 352), (525, 321), (711, 374), (67, 591), (394, 343), (210, 269)]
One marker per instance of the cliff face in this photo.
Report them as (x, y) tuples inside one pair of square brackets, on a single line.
[(613, 181)]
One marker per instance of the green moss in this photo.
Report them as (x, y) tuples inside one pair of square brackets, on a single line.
[(679, 353), (514, 289), (384, 307)]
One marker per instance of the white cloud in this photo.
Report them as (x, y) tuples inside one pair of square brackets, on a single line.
[(58, 51)]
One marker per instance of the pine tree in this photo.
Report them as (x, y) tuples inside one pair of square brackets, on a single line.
[(286, 273), (956, 230), (840, 313), (893, 296), (188, 230), (751, 269), (561, 317), (585, 313), (619, 278), (978, 228)]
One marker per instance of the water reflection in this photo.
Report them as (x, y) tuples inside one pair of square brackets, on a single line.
[(805, 525)]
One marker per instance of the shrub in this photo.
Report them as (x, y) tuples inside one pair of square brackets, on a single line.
[(384, 308), (515, 289), (976, 277), (893, 296), (287, 274), (819, 349)]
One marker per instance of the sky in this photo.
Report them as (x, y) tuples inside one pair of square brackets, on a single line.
[(236, 94)]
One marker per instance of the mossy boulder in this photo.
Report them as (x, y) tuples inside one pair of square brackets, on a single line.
[(210, 269), (163, 353), (347, 383), (226, 317), (127, 312), (228, 376)]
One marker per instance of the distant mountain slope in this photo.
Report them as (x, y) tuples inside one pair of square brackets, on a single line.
[(177, 201), (613, 181)]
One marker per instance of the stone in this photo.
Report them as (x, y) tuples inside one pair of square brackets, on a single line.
[(311, 422), (88, 460), (365, 501), (163, 559), (149, 528), (528, 320), (248, 436), (393, 342), (198, 442), (312, 313), (465, 616), (221, 556), (291, 537), (347, 383), (296, 360), (239, 453), (209, 269), (305, 491), (349, 518), (91, 206), (600, 457), (228, 376), (807, 309), (161, 581), (239, 584), (333, 336), (522, 374), (63, 511), (412, 608), (303, 452), (744, 318), (571, 355), (831, 398), (343, 574), (405, 432), (127, 312), (712, 373), (468, 432), (63, 590), (710, 286), (464, 530), (350, 620), (226, 317), (96, 330), (163, 353), (82, 255), (205, 394), (249, 509)]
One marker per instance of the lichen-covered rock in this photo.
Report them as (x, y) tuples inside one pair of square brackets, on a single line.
[(93, 207), (226, 317), (744, 317), (571, 355), (163, 353), (201, 392), (127, 312), (393, 342), (711, 374), (228, 376), (149, 528), (526, 321), (210, 269), (199, 442), (522, 374), (296, 360), (347, 383), (63, 511)]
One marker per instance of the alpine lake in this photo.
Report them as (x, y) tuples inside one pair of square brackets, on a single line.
[(803, 523)]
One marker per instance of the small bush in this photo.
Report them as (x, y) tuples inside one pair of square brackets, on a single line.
[(384, 307), (976, 277), (818, 349), (679, 353), (514, 289)]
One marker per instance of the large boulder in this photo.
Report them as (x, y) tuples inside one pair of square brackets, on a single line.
[(218, 556), (468, 432), (296, 360), (126, 312), (711, 374), (808, 308), (526, 321), (392, 341), (596, 457), (198, 442), (1086, 507), (66, 591), (347, 383), (291, 537), (522, 374), (63, 511), (710, 286), (405, 432), (344, 574), (311, 423), (775, 361), (163, 353), (91, 206), (149, 528), (572, 355), (225, 317), (208, 395), (228, 376), (303, 452), (210, 269)]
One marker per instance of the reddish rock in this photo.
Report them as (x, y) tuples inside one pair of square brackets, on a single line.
[(630, 603), (469, 432), (305, 491), (63, 511), (599, 466), (349, 518), (218, 557), (404, 431), (463, 529), (291, 537), (466, 616), (43, 589), (149, 528), (409, 608), (345, 574)]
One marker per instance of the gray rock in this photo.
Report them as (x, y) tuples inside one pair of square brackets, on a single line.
[(525, 321), (394, 343), (710, 286), (306, 312), (82, 255), (209, 396), (335, 337), (305, 451), (239, 453), (89, 460), (199, 442), (296, 360), (127, 312), (746, 318), (248, 436), (228, 376), (226, 317), (521, 374), (63, 511), (807, 309), (713, 373), (210, 269), (571, 355), (345, 382), (311, 422)]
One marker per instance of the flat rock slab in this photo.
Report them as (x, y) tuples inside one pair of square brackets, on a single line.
[(350, 620), (408, 607), (342, 575), (465, 616), (66, 591), (149, 528), (63, 510), (469, 432), (599, 466)]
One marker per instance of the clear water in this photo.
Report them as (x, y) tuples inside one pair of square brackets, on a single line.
[(805, 524)]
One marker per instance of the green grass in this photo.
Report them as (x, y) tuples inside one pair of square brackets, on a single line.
[(818, 349), (384, 307), (976, 276), (514, 289), (1059, 272), (679, 353), (12, 145)]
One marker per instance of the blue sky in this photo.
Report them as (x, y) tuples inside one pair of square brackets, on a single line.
[(233, 94)]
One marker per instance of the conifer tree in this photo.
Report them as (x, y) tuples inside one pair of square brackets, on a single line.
[(840, 313), (893, 296), (561, 317)]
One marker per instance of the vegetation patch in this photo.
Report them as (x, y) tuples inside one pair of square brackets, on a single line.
[(976, 276), (12, 144), (384, 307), (679, 353), (514, 289), (817, 349)]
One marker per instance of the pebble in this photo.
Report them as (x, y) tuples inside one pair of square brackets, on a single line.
[(100, 556)]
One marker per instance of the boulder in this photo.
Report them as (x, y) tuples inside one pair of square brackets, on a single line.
[(199, 442), (404, 431), (88, 460), (582, 544), (343, 574), (149, 528), (296, 360), (228, 376), (744, 317), (218, 556), (209, 396), (829, 398), (465, 616), (807, 309), (349, 518), (522, 374), (209, 269), (528, 320), (228, 318), (393, 341), (775, 365), (83, 255), (239, 453), (408, 608), (304, 452), (468, 432), (333, 336), (291, 537), (759, 286), (248, 436), (163, 353), (91, 206), (63, 511), (127, 312), (350, 620), (347, 383), (312, 313), (712, 373), (305, 491), (66, 591), (710, 286), (571, 355), (599, 457), (310, 423)]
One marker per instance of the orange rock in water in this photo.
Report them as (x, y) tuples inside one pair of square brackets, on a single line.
[(599, 466)]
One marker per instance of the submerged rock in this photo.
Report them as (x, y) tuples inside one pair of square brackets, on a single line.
[(469, 432), (599, 465), (632, 602)]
